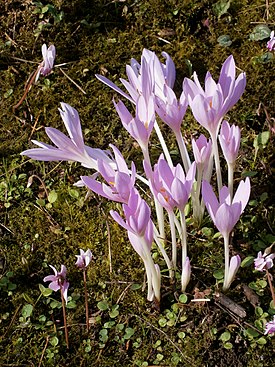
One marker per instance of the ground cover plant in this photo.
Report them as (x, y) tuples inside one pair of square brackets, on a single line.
[(102, 317)]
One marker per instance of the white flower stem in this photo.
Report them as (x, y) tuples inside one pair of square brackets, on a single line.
[(152, 274), (183, 151), (183, 236), (226, 262), (159, 241), (163, 144), (197, 210), (158, 207), (217, 160), (173, 238), (230, 178)]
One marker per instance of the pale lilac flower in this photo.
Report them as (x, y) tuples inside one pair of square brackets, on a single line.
[(263, 261), (271, 43), (235, 263), (141, 126), (209, 105), (170, 110), (202, 150), (270, 327), (119, 181), (58, 281), (146, 78), (48, 59), (224, 213), (139, 227), (230, 137), (83, 260), (137, 222), (170, 185), (186, 274), (67, 148)]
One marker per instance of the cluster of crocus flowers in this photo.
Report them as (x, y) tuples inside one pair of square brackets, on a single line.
[(150, 89)]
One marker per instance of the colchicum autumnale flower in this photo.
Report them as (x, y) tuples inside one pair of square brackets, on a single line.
[(58, 281), (84, 259), (67, 149)]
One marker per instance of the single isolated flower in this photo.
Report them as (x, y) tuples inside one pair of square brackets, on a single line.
[(83, 260), (263, 261), (202, 149), (271, 43), (58, 281), (48, 59), (270, 326)]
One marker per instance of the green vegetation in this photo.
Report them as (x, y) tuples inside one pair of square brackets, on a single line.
[(47, 222)]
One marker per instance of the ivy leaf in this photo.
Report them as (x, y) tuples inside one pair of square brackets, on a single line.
[(260, 32), (220, 8)]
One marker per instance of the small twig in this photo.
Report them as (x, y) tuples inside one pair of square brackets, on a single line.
[(71, 80), (64, 318), (34, 126), (86, 299), (270, 285), (162, 332), (30, 180), (12, 320), (43, 351), (28, 87), (267, 9), (122, 295), (9, 230)]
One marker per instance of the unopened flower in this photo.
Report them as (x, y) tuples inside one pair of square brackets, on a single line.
[(58, 281), (230, 137), (48, 59), (270, 326), (202, 151), (271, 43), (235, 263), (263, 261), (83, 260)]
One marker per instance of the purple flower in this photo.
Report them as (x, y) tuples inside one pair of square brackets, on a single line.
[(186, 274), (67, 149), (264, 261), (119, 181), (48, 61), (230, 137), (224, 213), (58, 281), (210, 105), (271, 43), (170, 185), (202, 150), (270, 327), (83, 260), (170, 110), (235, 263), (137, 222), (146, 78), (142, 125)]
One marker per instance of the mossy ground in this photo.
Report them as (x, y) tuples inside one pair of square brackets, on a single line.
[(101, 37)]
